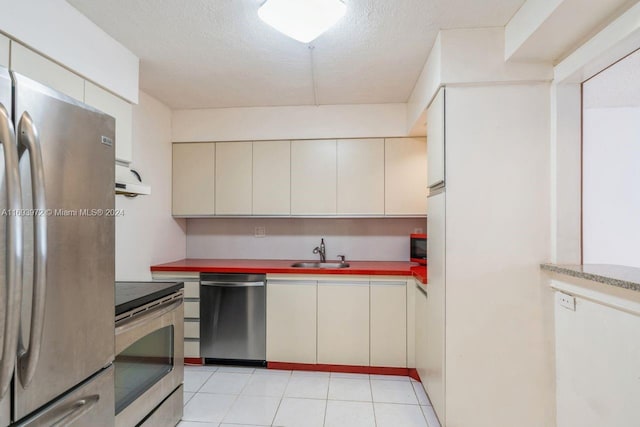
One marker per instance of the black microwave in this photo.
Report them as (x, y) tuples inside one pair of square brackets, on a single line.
[(418, 248)]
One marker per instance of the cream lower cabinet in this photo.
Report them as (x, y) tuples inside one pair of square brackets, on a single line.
[(388, 323), (193, 179), (597, 350), (421, 346), (291, 320), (343, 322), (191, 307)]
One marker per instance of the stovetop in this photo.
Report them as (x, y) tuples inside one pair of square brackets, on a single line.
[(130, 295)]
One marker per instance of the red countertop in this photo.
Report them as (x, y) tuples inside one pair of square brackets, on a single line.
[(267, 266)]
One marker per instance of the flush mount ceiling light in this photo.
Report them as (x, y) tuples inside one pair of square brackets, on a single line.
[(303, 20)]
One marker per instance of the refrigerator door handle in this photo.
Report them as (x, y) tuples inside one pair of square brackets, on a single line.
[(76, 410), (14, 251), (29, 140)]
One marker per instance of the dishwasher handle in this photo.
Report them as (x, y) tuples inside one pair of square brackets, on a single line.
[(232, 284)]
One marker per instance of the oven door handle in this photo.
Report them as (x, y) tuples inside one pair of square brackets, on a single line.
[(145, 316)]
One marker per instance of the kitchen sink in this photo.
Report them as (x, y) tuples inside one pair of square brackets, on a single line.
[(320, 265)]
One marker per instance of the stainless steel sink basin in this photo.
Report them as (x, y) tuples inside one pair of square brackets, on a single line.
[(320, 265)]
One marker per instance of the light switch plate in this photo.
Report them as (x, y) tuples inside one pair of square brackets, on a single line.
[(567, 301)]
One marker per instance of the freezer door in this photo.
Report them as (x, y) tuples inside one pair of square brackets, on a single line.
[(5, 100), (91, 404), (77, 339)]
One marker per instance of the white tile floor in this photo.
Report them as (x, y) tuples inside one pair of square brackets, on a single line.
[(224, 396)]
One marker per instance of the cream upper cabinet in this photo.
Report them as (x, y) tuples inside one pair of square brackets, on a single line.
[(121, 110), (435, 139), (41, 69), (313, 177), (343, 322), (388, 334), (193, 179), (406, 176), (360, 177), (233, 178), (272, 178), (4, 51), (291, 321)]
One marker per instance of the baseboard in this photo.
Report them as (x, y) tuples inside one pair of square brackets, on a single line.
[(193, 361), (348, 369), (413, 373)]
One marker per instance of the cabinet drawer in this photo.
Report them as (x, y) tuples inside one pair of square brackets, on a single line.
[(191, 329), (192, 348), (192, 289), (192, 309)]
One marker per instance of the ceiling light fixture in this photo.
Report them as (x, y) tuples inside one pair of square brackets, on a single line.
[(303, 20)]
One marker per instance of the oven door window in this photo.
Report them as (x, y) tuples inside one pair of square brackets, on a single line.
[(143, 364)]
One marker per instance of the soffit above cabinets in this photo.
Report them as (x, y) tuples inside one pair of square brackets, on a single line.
[(211, 53)]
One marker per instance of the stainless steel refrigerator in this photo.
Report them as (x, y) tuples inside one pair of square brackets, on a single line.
[(56, 259)]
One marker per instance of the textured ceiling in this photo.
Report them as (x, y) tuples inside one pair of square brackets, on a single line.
[(218, 53), (617, 86)]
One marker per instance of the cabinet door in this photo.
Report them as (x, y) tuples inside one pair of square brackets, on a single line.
[(313, 177), (388, 323), (4, 51), (597, 364), (272, 178), (291, 321), (121, 110), (435, 139), (406, 176), (233, 178), (433, 380), (421, 332), (40, 69), (193, 179), (360, 177), (343, 323)]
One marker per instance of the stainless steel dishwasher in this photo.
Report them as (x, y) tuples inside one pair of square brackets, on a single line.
[(233, 318)]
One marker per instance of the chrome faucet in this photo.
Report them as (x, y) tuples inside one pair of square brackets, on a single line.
[(321, 251)]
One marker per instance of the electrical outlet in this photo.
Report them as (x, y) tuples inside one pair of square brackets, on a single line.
[(417, 231), (260, 232), (567, 301)]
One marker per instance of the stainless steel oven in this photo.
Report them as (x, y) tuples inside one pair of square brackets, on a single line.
[(149, 363)]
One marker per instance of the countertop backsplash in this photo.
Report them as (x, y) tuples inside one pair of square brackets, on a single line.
[(379, 239)]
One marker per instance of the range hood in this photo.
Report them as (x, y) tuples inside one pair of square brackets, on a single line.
[(129, 182)]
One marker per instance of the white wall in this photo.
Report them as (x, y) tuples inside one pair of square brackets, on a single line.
[(468, 56), (499, 340), (302, 122), (611, 192), (147, 234), (294, 238), (57, 30)]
